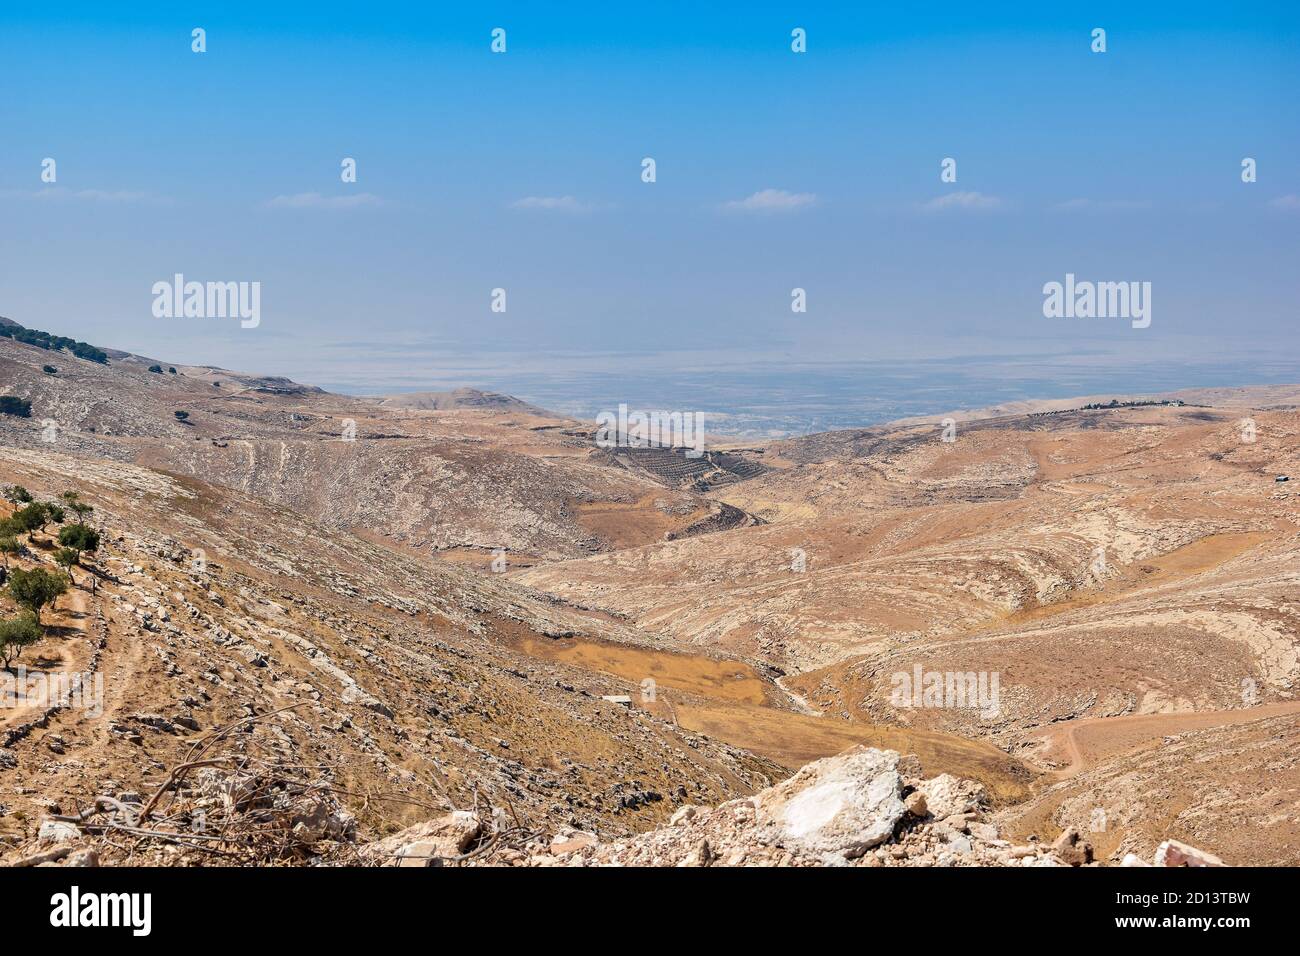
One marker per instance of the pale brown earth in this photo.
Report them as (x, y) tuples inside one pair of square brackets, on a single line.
[(461, 470), (1129, 574), (980, 556), (411, 695)]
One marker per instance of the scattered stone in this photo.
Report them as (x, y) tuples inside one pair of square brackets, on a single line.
[(945, 795), (58, 831), (156, 722), (840, 811), (958, 821), (985, 831), (1174, 853), (682, 814), (702, 855), (572, 841), (1072, 849), (427, 844)]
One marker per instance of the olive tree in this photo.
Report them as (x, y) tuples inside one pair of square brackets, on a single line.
[(36, 588), (15, 634)]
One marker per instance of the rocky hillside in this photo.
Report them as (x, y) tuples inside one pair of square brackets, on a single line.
[(464, 475), (316, 622), (224, 626), (1128, 575)]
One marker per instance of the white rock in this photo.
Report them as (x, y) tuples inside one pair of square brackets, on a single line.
[(57, 831), (985, 831), (946, 796), (681, 815), (842, 805), (425, 844), (1174, 853)]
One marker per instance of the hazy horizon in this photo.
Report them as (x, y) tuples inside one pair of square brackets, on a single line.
[(819, 175), (754, 395)]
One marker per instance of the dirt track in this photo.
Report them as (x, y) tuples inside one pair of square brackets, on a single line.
[(1086, 743)]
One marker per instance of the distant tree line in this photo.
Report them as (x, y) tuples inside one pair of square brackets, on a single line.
[(54, 343), (1116, 403)]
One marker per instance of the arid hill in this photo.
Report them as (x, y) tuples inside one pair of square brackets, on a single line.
[(358, 616), (461, 398), (463, 477), (1106, 564), (404, 678)]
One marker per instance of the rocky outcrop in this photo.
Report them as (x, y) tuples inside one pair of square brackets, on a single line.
[(860, 808), (843, 806), (1173, 853), (427, 844)]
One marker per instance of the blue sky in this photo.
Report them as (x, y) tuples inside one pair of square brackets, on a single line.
[(225, 166)]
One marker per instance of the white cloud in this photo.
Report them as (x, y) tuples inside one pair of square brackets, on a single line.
[(771, 200), (1289, 202), (970, 201), (551, 203), (318, 201), (1102, 205)]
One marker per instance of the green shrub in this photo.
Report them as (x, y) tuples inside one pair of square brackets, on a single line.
[(12, 405), (17, 494), (36, 588), (15, 634), (29, 519), (54, 343), (79, 538)]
